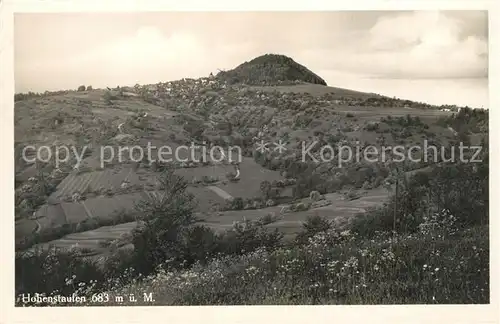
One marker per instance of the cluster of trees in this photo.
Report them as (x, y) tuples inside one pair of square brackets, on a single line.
[(460, 188), (31, 194), (84, 88), (467, 121), (31, 94), (48, 234), (407, 121), (327, 178)]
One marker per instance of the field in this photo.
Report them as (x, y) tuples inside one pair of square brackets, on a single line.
[(93, 240), (339, 211), (104, 208), (290, 223), (50, 216)]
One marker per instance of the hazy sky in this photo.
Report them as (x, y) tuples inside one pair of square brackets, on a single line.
[(437, 57)]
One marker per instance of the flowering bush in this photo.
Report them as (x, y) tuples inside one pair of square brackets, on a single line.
[(439, 225)]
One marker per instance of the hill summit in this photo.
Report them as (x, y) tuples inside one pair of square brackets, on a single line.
[(270, 69)]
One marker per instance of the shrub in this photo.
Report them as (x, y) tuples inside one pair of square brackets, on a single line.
[(372, 222), (109, 97), (315, 195), (237, 203), (312, 226), (372, 127), (246, 237), (366, 185), (299, 207), (269, 218), (270, 203), (46, 271), (199, 244), (208, 179), (351, 195), (307, 182)]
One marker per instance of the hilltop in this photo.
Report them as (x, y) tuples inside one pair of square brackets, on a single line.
[(270, 69)]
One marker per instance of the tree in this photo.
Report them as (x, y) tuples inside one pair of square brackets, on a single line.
[(81, 88), (237, 203), (166, 217), (265, 189)]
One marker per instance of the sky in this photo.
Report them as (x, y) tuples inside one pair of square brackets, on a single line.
[(439, 57)]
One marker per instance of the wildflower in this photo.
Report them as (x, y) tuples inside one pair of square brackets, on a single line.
[(437, 269), (345, 233)]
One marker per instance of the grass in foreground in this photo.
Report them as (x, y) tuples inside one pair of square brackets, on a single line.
[(332, 268)]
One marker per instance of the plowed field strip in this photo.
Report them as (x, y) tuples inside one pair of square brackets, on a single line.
[(84, 182), (71, 186)]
